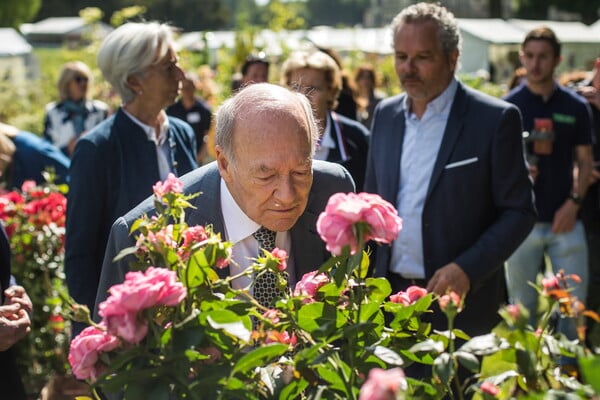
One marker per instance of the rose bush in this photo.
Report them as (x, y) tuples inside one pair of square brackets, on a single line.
[(339, 334), (34, 218)]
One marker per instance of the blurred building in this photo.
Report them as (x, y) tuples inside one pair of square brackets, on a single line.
[(16, 61), (63, 31)]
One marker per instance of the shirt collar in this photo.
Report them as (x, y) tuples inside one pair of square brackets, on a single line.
[(237, 224), (327, 139), (149, 130), (439, 105)]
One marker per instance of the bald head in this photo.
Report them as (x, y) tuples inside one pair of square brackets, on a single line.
[(254, 105)]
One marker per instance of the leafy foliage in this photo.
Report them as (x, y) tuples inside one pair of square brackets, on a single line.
[(35, 221)]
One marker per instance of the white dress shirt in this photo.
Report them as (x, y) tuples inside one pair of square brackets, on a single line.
[(422, 140), (163, 151)]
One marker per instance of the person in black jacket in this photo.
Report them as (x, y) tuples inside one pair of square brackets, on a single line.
[(342, 140), (14, 324)]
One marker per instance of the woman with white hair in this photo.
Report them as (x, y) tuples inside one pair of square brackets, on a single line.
[(75, 113), (115, 166)]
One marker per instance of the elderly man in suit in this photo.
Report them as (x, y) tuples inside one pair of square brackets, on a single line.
[(452, 161), (263, 177)]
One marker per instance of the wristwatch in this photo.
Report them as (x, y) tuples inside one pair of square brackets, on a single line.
[(575, 198)]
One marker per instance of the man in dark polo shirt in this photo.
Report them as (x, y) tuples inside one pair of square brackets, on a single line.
[(194, 111), (560, 135)]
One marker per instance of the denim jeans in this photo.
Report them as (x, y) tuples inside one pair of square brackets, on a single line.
[(566, 251)]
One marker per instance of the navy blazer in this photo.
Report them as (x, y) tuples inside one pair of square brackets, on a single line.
[(308, 250), (113, 169), (479, 203), (355, 138)]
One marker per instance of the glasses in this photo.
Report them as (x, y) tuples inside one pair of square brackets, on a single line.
[(81, 79)]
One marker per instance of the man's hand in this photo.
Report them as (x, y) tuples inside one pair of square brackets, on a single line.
[(449, 277), (14, 325), (17, 294), (591, 94), (565, 217)]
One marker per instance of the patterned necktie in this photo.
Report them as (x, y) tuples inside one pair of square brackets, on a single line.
[(265, 284)]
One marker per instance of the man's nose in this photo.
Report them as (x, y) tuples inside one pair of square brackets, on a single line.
[(285, 192)]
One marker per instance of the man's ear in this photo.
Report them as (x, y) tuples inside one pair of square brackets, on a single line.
[(223, 164)]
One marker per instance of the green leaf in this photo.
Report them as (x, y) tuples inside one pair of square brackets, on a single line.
[(150, 390), (259, 357), (233, 327), (320, 319), (332, 377), (379, 289), (363, 269), (389, 356), (484, 345), (429, 346), (125, 252), (590, 371), (443, 368), (468, 360)]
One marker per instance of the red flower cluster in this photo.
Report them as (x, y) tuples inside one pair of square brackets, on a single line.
[(32, 206)]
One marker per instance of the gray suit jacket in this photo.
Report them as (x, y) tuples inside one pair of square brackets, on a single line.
[(308, 250), (479, 204)]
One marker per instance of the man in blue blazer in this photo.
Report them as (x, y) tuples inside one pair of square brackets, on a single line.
[(451, 159), (264, 176)]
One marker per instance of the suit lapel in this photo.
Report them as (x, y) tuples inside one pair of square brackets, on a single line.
[(451, 135), (307, 247), (393, 153)]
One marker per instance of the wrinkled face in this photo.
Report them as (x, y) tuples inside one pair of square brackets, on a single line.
[(256, 73), (78, 87), (539, 60), (313, 84), (271, 175), (422, 66), (160, 83)]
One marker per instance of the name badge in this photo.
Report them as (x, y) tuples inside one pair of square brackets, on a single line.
[(193, 117)]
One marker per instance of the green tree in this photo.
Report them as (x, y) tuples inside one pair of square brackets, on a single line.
[(538, 9), (336, 12), (15, 12), (279, 16)]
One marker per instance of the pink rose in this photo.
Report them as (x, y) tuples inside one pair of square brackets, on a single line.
[(514, 310), (272, 314), (489, 388), (128, 327), (141, 290), (281, 337), (337, 224), (85, 349), (194, 234), (28, 186), (550, 283), (170, 185), (412, 294), (382, 218), (400, 298), (383, 384), (451, 298), (282, 256), (309, 285)]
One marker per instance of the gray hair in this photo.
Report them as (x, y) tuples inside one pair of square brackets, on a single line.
[(256, 101), (447, 26), (129, 50), (68, 73)]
